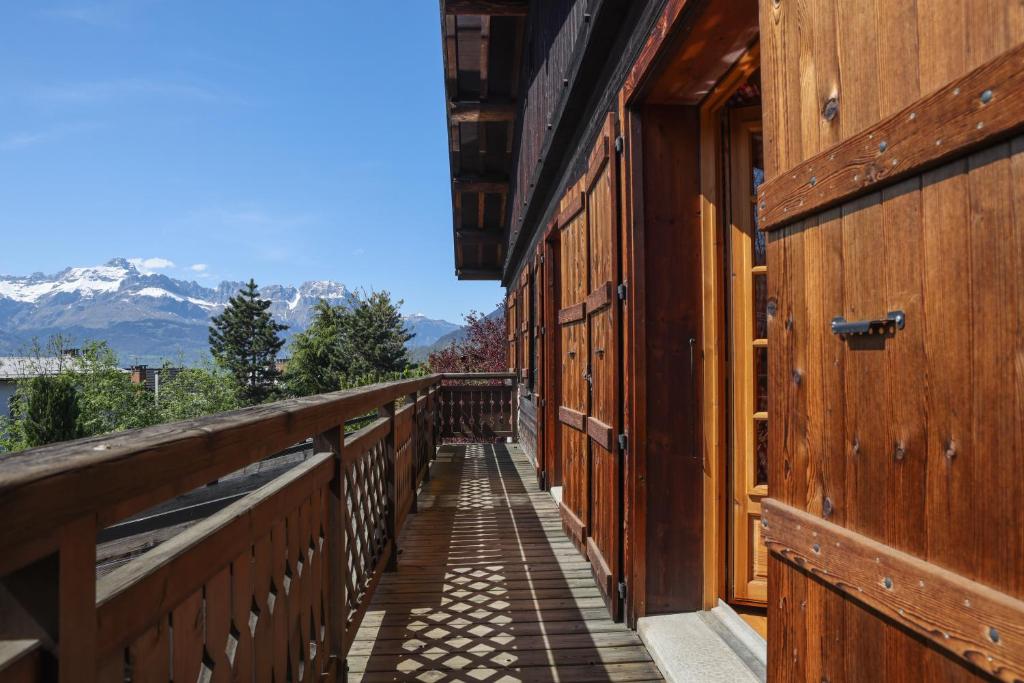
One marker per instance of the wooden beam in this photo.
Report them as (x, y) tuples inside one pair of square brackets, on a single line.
[(478, 273), (482, 112), (479, 237), (480, 185), (970, 621), (485, 52), (492, 8), (983, 107)]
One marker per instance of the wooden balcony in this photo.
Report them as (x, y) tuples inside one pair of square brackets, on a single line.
[(375, 550)]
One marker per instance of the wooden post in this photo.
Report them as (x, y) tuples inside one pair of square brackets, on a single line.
[(414, 452), (53, 600), (388, 410), (332, 441), (76, 636)]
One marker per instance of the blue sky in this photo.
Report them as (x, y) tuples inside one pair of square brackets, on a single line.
[(285, 141)]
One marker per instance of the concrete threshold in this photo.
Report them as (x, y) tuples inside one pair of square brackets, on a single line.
[(714, 645)]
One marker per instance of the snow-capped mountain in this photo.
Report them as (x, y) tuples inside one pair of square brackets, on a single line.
[(146, 317)]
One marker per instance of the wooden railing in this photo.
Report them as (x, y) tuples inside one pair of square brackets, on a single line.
[(478, 407), (272, 587)]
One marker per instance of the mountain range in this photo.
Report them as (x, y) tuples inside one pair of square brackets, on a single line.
[(148, 317)]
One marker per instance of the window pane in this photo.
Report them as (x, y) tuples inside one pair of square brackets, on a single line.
[(760, 306), (759, 241), (761, 438), (761, 368)]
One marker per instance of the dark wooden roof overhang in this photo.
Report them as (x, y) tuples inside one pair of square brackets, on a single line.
[(483, 44)]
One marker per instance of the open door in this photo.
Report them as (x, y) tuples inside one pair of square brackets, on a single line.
[(604, 373), (747, 322)]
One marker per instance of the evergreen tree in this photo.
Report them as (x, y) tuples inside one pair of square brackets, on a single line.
[(50, 411), (244, 340), (317, 360), (375, 337)]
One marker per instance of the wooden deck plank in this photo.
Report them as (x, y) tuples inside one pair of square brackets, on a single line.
[(488, 587)]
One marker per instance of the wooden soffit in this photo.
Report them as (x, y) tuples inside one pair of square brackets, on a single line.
[(483, 44)]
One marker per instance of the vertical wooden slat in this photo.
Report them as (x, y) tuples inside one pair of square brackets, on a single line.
[(388, 411)]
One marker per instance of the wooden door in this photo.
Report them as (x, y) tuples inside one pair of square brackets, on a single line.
[(748, 360), (895, 222), (552, 355), (574, 401), (604, 371)]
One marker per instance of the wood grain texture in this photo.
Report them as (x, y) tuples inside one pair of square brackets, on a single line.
[(973, 111), (572, 313), (118, 475), (967, 619)]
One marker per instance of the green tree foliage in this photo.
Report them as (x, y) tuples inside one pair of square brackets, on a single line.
[(244, 339), (110, 401), (50, 411), (196, 392), (375, 337), (349, 347), (317, 361)]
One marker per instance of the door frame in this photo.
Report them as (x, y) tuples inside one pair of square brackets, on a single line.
[(715, 408)]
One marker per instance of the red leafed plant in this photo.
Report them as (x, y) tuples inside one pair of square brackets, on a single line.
[(484, 349)]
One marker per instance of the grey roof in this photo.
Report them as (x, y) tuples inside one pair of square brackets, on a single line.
[(23, 367)]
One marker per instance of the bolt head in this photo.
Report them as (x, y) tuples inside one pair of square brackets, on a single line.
[(986, 97)]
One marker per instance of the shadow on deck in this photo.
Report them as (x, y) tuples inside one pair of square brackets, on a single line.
[(489, 589)]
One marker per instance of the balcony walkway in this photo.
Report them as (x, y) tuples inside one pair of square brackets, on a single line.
[(489, 589)]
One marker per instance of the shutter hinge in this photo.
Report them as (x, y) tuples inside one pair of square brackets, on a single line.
[(619, 144), (623, 442), (622, 590), (623, 290)]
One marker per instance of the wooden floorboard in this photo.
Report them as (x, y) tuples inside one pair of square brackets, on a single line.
[(488, 588)]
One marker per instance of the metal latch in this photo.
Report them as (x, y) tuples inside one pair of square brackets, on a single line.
[(894, 320), (619, 144), (622, 590), (623, 290), (623, 442)]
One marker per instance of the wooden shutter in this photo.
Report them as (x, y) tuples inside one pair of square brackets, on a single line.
[(895, 167), (510, 324), (602, 314), (574, 392), (537, 380), (523, 329)]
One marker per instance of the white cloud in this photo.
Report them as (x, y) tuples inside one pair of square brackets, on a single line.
[(147, 266), (198, 267), (25, 139)]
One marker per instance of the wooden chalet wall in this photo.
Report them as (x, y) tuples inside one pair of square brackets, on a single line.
[(896, 459)]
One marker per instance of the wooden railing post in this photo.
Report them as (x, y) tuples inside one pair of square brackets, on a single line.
[(390, 453), (333, 441)]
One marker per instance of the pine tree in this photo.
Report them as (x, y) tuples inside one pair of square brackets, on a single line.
[(317, 360), (244, 339), (50, 412), (375, 337)]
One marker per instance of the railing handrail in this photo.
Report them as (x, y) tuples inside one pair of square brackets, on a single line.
[(478, 375), (115, 476)]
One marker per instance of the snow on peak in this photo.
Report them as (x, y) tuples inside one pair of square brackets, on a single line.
[(86, 281)]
